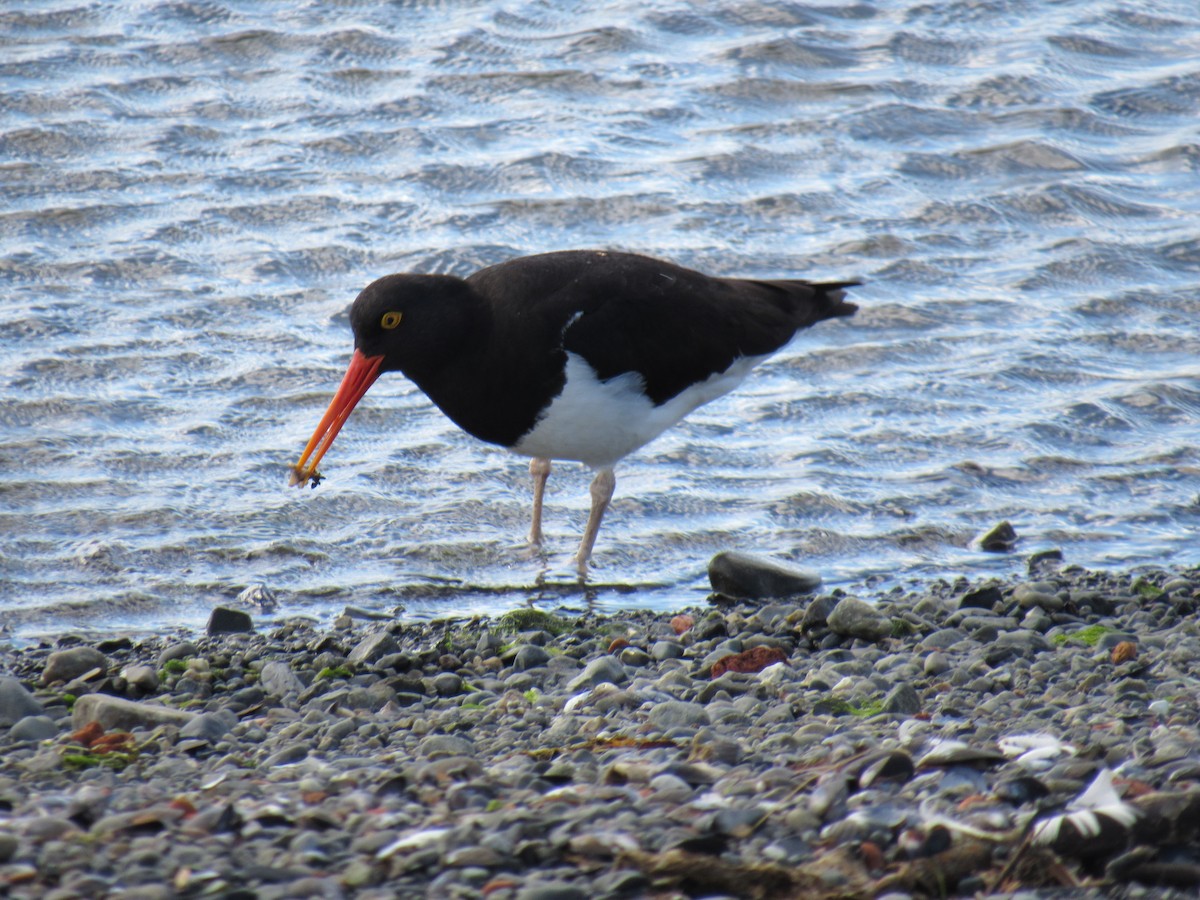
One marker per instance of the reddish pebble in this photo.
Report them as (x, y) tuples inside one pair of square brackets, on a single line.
[(682, 623), (499, 883), (754, 660), (1131, 788), (1124, 651), (617, 644), (872, 856), (88, 734)]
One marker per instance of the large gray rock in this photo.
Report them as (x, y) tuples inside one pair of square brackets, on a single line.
[(65, 665), (118, 714), (857, 618), (756, 577), (16, 702)]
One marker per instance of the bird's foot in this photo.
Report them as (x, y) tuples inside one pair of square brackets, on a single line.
[(531, 550)]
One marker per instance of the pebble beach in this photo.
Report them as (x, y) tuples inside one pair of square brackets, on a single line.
[(1024, 737)]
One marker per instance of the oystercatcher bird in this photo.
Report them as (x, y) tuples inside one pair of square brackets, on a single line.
[(579, 355)]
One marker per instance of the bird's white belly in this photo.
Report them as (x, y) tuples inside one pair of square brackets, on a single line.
[(598, 422)]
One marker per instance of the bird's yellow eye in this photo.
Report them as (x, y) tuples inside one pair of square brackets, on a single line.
[(390, 320)]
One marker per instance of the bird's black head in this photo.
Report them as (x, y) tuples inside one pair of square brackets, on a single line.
[(415, 324), (413, 321)]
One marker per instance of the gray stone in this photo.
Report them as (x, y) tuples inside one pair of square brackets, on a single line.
[(209, 726), (146, 892), (1038, 594), (936, 663), (278, 679), (1023, 641), (941, 639), (999, 539), (224, 620), (64, 665), (119, 714), (634, 656), (985, 597), (489, 644), (374, 646), (287, 756), (674, 713), (563, 665), (1043, 560), (1037, 620), (552, 891), (32, 729), (738, 821), (437, 746), (621, 883), (447, 684), (857, 618), (972, 619), (183, 650), (756, 577), (670, 788), (902, 699), (141, 679), (603, 669), (466, 857), (662, 650), (530, 656), (816, 614), (8, 846), (16, 702)]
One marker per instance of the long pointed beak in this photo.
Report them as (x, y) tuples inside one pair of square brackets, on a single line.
[(360, 375)]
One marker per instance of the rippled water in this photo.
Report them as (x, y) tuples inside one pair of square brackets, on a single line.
[(191, 193)]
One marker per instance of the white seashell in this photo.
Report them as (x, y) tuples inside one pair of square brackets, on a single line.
[(418, 840), (1045, 744), (573, 703), (951, 752)]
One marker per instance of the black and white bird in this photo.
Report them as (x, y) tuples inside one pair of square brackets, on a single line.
[(581, 355)]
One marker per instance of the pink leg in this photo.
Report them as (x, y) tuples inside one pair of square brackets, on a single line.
[(602, 489), (539, 468)]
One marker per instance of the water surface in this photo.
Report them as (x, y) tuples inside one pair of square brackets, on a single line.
[(191, 194)]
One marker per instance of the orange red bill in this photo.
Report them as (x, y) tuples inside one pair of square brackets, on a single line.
[(360, 375)]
